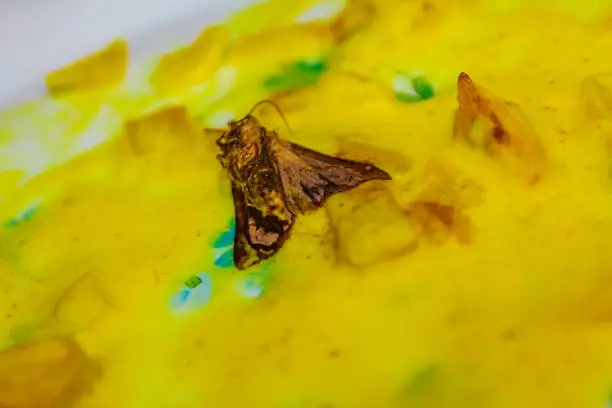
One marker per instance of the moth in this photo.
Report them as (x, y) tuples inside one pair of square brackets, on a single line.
[(274, 180)]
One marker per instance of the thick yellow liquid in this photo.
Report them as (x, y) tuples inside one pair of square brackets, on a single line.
[(366, 305)]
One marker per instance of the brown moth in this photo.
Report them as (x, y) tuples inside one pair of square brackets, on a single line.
[(274, 180)]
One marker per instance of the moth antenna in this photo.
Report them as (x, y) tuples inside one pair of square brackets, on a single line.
[(278, 109), (214, 130)]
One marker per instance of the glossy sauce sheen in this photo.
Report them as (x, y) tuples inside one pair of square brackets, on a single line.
[(480, 276)]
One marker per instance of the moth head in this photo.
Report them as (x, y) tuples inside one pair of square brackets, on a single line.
[(243, 132)]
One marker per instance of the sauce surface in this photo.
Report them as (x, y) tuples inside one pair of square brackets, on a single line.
[(458, 283)]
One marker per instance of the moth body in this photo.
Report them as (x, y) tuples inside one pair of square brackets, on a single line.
[(274, 180)]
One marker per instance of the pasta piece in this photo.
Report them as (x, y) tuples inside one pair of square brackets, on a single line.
[(499, 129), (102, 70), (194, 64), (45, 374)]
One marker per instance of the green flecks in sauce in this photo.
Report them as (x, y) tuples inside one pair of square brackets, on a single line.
[(297, 75)]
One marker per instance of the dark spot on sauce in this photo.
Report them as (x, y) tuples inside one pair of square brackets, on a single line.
[(453, 318), (500, 135), (335, 353), (535, 180), (444, 213), (287, 336), (509, 334)]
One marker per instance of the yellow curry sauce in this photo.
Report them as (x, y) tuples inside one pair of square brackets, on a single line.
[(480, 276)]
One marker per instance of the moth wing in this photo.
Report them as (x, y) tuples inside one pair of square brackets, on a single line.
[(257, 237), (309, 178)]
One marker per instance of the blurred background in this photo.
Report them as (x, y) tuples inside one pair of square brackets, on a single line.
[(37, 36)]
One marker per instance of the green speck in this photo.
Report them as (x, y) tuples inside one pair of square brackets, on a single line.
[(317, 66), (408, 98), (254, 285), (193, 282), (225, 260), (412, 89), (422, 379), (224, 239), (423, 87), (297, 75), (22, 334), (25, 215)]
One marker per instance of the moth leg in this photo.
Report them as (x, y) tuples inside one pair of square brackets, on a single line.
[(223, 159)]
